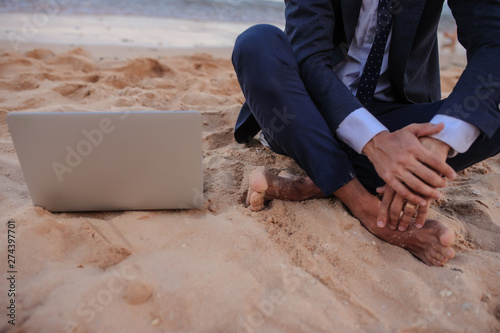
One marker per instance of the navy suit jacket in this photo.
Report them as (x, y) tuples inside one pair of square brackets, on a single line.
[(320, 32)]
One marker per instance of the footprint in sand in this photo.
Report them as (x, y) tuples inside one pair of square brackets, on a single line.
[(218, 139), (480, 227)]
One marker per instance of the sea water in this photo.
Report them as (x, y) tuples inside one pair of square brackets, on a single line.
[(269, 11)]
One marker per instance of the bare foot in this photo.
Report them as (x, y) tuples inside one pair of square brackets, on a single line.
[(265, 186), (290, 175), (431, 244), (257, 189)]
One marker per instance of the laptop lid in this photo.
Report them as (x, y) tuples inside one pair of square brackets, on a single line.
[(93, 161)]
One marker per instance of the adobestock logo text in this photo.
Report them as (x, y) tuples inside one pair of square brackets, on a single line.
[(76, 154)]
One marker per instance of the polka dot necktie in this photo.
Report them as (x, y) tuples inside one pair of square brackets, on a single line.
[(371, 73)]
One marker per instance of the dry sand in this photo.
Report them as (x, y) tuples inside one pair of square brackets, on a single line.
[(294, 267)]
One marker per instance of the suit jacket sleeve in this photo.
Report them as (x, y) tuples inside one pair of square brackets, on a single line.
[(476, 97), (310, 26)]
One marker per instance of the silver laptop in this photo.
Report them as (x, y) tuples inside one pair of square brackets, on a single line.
[(94, 161)]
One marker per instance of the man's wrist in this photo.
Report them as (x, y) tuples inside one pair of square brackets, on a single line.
[(359, 127), (458, 134), (436, 146), (369, 148)]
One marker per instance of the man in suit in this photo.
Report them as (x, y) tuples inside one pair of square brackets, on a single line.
[(351, 92)]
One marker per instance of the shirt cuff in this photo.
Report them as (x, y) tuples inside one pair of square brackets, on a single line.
[(358, 128), (457, 134)]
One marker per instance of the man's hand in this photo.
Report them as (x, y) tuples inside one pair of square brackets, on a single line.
[(436, 146), (408, 166), (395, 210), (397, 213)]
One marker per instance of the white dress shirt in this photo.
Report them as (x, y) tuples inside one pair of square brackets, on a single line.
[(359, 127)]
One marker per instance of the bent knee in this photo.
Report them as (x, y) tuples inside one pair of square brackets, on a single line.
[(255, 38)]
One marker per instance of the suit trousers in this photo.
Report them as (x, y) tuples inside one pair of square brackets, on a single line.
[(278, 103)]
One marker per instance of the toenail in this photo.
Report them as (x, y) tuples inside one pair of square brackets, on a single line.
[(418, 226), (380, 224), (401, 228)]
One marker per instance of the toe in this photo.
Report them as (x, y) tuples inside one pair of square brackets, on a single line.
[(440, 254), (257, 189), (256, 201), (437, 258), (256, 208), (447, 237), (449, 253), (258, 182), (429, 259)]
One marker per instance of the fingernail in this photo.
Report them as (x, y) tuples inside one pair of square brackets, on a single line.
[(392, 227), (423, 203), (419, 226), (439, 196), (401, 228), (453, 175), (380, 224)]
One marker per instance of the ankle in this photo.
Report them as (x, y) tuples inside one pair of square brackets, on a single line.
[(306, 189), (359, 201)]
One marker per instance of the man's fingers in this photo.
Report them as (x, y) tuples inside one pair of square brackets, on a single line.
[(420, 187), (425, 129), (439, 166), (403, 190), (432, 159), (384, 207), (395, 212), (423, 211), (428, 175), (408, 212), (408, 167)]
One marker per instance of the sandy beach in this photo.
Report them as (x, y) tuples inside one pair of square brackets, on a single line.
[(293, 267)]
